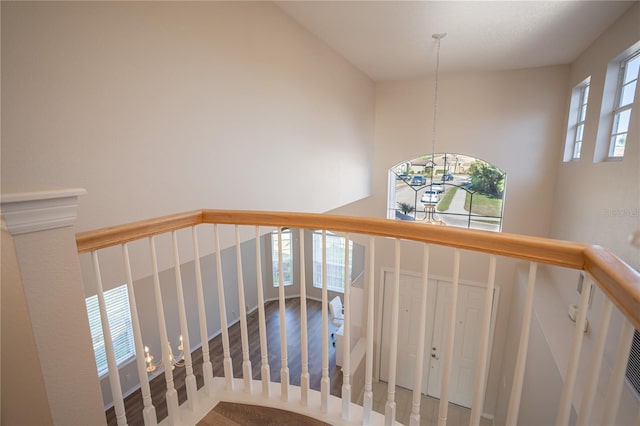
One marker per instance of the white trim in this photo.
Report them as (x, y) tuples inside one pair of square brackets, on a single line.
[(40, 210)]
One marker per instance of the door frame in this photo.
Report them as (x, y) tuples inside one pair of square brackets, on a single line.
[(429, 331)]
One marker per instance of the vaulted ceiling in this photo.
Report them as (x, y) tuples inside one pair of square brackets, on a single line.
[(391, 40)]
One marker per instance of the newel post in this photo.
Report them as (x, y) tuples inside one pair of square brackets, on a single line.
[(48, 367)]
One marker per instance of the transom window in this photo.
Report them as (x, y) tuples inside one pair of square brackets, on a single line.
[(119, 316), (287, 257), (625, 95), (335, 261)]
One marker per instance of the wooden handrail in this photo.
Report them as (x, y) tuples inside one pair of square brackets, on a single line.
[(120, 234), (617, 279)]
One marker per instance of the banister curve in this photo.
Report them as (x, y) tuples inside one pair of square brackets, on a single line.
[(617, 279)]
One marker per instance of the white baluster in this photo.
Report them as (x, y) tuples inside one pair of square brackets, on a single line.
[(227, 362), (207, 367), (414, 420), (584, 416), (264, 354), (483, 354), (346, 354), (284, 363), (114, 375), (190, 379), (449, 344), (521, 361), (574, 358), (619, 370), (324, 381), (304, 345), (149, 411), (247, 374), (368, 389), (390, 405), (171, 395)]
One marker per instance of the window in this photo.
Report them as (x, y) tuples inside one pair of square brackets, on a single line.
[(625, 94), (577, 116), (117, 303), (335, 261), (455, 189), (287, 257)]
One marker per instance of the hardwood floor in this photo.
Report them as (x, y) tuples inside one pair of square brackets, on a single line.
[(133, 403), (232, 414)]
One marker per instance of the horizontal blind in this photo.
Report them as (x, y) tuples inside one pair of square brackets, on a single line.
[(633, 367), (117, 303)]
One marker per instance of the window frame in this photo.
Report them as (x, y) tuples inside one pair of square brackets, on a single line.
[(335, 262), (456, 168), (120, 325), (287, 264), (618, 109), (577, 120)]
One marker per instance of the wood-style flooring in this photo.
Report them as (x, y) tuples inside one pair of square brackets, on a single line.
[(232, 414), (134, 405)]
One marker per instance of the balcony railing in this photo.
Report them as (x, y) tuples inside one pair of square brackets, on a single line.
[(618, 282)]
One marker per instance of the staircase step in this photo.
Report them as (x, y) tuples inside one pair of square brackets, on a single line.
[(234, 414)]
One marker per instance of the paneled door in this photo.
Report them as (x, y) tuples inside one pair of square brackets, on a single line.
[(466, 344)]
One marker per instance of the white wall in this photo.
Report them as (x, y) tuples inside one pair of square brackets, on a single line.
[(596, 203), (599, 202), (158, 108), (512, 119)]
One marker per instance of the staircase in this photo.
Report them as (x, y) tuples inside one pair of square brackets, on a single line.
[(172, 247)]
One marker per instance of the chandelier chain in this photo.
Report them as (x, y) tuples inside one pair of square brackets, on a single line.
[(438, 38)]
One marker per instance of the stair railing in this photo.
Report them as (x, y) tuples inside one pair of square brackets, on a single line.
[(618, 281)]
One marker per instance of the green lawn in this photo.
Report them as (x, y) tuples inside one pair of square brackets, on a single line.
[(484, 205), (444, 204)]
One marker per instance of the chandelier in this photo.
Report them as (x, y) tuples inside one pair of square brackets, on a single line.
[(175, 361)]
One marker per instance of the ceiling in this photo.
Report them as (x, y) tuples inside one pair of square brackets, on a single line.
[(391, 40)]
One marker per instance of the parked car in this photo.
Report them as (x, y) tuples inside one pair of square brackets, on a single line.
[(430, 197), (404, 177), (418, 180), (438, 187), (447, 177)]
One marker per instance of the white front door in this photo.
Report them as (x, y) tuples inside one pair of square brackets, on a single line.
[(408, 315), (466, 344)]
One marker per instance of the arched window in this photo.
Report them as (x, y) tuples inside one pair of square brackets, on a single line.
[(455, 189)]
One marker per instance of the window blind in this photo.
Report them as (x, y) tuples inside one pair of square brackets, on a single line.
[(117, 303), (633, 367)]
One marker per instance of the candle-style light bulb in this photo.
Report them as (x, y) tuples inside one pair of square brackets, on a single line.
[(148, 358)]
